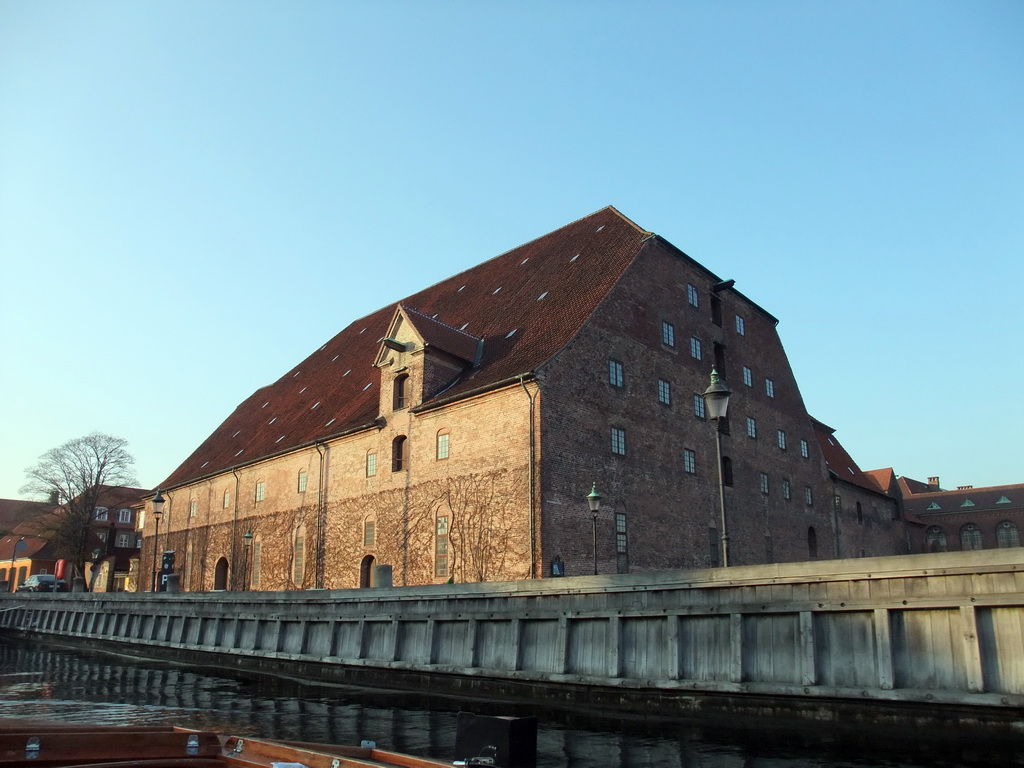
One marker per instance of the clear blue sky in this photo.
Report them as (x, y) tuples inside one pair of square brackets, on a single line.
[(196, 195)]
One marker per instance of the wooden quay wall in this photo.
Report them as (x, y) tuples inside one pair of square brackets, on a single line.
[(898, 639)]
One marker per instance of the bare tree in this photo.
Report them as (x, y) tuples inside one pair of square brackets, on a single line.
[(74, 476)]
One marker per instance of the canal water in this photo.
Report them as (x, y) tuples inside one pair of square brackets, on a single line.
[(45, 683)]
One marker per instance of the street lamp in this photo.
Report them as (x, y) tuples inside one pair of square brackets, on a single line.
[(594, 501), (158, 509), (247, 545), (716, 398)]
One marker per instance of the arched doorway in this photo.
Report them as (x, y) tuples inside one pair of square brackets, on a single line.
[(220, 574), (366, 572)]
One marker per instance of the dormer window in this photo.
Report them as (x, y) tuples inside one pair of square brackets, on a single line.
[(401, 389)]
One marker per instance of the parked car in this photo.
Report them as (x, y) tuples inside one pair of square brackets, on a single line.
[(43, 582)]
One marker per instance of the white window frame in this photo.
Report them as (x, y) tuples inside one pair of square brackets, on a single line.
[(692, 296), (618, 441), (664, 392)]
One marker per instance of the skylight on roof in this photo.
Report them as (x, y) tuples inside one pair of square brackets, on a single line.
[(542, 295), (934, 505), (464, 325), (237, 433), (239, 453), (204, 464), (322, 348), (461, 289), (279, 439), (335, 358), (495, 290), (967, 503), (265, 404), (600, 228), (330, 422), (367, 386), (1003, 500), (315, 405), (296, 374), (434, 316), (851, 471), (272, 420), (363, 331), (574, 258), (303, 390), (524, 261), (511, 333), (346, 373)]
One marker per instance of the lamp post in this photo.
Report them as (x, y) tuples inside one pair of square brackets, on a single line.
[(716, 397), (594, 501), (158, 509), (247, 546)]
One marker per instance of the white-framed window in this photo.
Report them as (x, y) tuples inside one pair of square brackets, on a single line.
[(808, 495), (804, 450), (769, 387), (764, 483), (303, 480), (442, 445), (668, 334), (751, 426), (615, 377), (782, 439), (371, 464), (787, 492), (227, 499), (690, 461), (193, 508), (748, 376), (692, 296), (124, 515), (124, 540), (664, 392), (261, 490), (618, 441), (970, 537), (695, 348), (740, 326), (621, 543), (100, 513), (441, 546), (299, 556), (698, 406)]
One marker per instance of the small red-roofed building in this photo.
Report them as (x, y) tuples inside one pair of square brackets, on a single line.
[(454, 434), (865, 511)]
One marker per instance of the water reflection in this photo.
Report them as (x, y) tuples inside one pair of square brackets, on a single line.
[(41, 682)]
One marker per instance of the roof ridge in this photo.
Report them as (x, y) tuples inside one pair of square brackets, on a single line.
[(439, 322)]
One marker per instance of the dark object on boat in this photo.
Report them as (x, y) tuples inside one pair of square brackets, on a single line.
[(504, 742)]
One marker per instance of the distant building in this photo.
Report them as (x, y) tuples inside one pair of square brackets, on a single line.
[(966, 518), (112, 539), (453, 436)]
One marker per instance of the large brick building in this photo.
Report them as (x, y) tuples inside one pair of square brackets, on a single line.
[(454, 435)]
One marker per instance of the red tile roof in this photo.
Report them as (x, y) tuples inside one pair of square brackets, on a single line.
[(993, 498), (526, 304), (838, 460)]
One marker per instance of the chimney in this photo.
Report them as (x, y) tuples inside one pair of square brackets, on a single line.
[(964, 487), (933, 482)]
